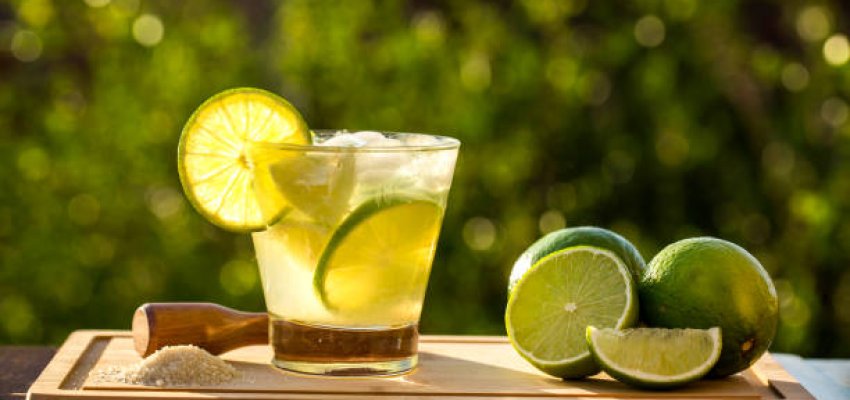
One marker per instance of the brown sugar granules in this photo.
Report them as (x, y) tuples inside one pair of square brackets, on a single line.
[(172, 366)]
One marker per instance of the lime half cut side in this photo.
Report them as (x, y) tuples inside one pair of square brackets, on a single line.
[(551, 306), (214, 157), (655, 357), (375, 266)]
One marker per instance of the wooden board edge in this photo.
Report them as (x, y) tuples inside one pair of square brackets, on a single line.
[(124, 395), (771, 373), (49, 384), (175, 394), (66, 359), (463, 339)]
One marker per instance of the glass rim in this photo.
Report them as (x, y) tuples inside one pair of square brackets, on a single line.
[(445, 143)]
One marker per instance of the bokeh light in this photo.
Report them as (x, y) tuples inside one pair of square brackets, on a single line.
[(97, 3), (26, 46), (649, 31), (475, 72), (148, 30), (834, 111), (813, 23), (479, 233), (795, 77), (836, 50), (550, 221), (778, 159)]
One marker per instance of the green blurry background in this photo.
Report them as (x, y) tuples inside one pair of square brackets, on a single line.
[(658, 119)]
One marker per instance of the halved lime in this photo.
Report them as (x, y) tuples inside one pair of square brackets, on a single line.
[(380, 254), (579, 236), (553, 303), (214, 157), (655, 357)]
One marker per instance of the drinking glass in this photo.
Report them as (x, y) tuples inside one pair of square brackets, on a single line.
[(345, 264)]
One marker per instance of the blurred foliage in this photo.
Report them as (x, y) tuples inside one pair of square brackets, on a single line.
[(660, 119)]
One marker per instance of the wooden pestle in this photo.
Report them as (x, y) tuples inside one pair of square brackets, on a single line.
[(209, 326)]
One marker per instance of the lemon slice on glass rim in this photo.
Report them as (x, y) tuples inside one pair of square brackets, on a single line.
[(217, 162)]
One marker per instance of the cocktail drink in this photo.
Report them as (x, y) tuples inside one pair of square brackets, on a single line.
[(345, 225), (344, 268)]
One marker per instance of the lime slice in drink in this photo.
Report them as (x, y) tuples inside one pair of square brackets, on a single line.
[(214, 157), (655, 357), (379, 255), (318, 184), (553, 303)]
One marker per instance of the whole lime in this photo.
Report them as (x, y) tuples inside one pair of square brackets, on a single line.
[(704, 282), (578, 236)]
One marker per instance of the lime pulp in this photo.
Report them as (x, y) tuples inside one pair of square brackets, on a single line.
[(552, 304), (214, 157), (380, 254), (655, 357)]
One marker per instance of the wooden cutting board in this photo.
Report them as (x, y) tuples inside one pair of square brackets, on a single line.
[(450, 367)]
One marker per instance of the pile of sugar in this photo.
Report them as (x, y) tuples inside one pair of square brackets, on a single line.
[(172, 366)]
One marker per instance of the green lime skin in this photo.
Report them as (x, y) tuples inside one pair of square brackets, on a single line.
[(578, 236), (704, 282)]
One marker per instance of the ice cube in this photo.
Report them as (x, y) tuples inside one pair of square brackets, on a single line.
[(381, 168), (377, 139), (433, 168), (345, 140), (378, 169), (361, 139), (375, 170), (369, 136), (420, 140)]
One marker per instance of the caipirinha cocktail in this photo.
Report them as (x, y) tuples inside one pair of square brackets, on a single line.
[(345, 227), (351, 258)]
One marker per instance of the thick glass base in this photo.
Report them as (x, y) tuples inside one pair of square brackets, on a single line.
[(382, 368), (343, 351)]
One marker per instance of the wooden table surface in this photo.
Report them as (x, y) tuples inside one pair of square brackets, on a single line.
[(21, 365)]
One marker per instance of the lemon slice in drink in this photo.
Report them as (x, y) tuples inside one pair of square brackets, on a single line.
[(553, 303), (214, 157), (655, 357), (376, 263)]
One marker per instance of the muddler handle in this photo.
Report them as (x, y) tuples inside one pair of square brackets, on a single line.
[(209, 326)]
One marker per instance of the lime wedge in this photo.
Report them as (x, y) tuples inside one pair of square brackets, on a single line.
[(552, 304), (655, 357), (380, 254), (214, 157), (317, 184)]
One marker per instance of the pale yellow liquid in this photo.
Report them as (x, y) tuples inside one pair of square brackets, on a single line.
[(324, 189), (288, 253), (345, 266)]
